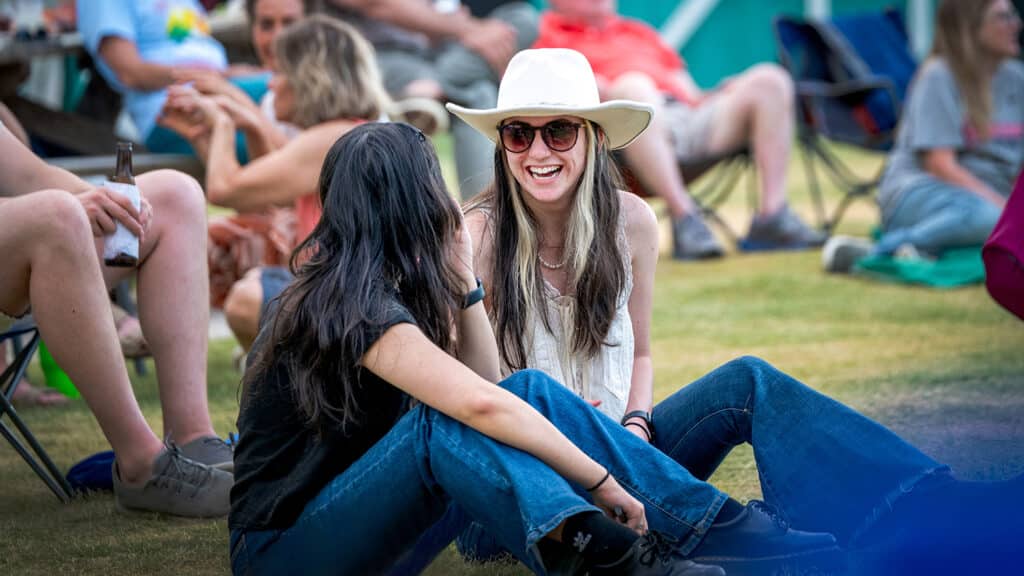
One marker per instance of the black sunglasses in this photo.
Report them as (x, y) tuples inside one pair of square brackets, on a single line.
[(558, 135)]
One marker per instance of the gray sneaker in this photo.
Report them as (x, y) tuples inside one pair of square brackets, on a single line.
[(783, 230), (841, 253), (179, 487), (693, 240), (212, 451)]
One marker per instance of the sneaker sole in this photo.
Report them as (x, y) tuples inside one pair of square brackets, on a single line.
[(228, 466), (821, 561)]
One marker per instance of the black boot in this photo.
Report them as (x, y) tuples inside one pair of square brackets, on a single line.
[(758, 541), (655, 554)]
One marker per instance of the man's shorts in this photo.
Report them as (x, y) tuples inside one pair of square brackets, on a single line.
[(690, 128)]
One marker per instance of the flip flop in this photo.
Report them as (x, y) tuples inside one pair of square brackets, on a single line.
[(26, 395)]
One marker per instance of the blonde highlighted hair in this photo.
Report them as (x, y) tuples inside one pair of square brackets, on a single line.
[(332, 72), (593, 255)]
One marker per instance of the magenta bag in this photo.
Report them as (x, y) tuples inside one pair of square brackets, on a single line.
[(1004, 254)]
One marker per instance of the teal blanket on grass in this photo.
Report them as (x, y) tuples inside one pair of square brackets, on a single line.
[(954, 268)]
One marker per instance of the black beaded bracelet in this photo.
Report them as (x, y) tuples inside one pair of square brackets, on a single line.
[(607, 474), (473, 296)]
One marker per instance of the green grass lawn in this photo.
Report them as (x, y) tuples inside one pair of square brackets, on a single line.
[(943, 368)]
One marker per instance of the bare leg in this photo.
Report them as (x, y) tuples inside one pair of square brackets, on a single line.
[(756, 108), (650, 157), (242, 308), (174, 295), (51, 264)]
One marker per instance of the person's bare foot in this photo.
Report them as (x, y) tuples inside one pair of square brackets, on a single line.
[(28, 395)]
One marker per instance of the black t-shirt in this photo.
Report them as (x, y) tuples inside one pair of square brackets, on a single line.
[(281, 463)]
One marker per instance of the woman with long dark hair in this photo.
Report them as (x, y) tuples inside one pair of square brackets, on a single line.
[(960, 143), (569, 259), (369, 407)]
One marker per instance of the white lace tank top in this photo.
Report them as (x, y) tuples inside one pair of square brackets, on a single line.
[(607, 375)]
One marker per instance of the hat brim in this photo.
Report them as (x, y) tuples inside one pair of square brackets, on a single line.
[(621, 120)]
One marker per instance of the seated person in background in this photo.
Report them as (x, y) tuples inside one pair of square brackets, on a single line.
[(327, 82), (754, 108), (267, 19), (960, 143), (446, 56), (139, 45), (52, 226)]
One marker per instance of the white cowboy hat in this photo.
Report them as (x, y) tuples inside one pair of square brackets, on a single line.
[(557, 82)]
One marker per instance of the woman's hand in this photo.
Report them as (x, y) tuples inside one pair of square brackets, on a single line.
[(195, 107), (462, 254), (244, 117), (190, 126), (620, 506)]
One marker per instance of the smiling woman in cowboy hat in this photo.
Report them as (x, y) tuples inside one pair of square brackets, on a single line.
[(569, 259)]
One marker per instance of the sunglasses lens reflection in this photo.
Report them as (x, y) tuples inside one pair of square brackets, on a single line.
[(559, 135), (517, 137)]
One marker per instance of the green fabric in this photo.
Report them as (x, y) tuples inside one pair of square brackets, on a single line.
[(954, 268)]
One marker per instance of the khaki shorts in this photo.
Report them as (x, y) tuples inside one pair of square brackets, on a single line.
[(690, 128)]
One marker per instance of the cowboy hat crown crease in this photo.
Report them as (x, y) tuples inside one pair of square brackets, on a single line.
[(576, 86)]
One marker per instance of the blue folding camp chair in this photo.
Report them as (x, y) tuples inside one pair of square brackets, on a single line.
[(40, 461), (851, 74)]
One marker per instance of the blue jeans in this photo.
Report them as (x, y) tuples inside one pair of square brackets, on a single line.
[(934, 216), (377, 509), (824, 466)]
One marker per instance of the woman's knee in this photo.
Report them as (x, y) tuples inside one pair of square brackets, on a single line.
[(752, 370), (243, 304)]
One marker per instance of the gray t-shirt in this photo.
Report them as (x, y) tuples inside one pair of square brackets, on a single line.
[(934, 116)]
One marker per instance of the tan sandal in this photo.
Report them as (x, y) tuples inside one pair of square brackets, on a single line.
[(129, 334)]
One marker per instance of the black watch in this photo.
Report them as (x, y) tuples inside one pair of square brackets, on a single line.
[(643, 415), (473, 296)]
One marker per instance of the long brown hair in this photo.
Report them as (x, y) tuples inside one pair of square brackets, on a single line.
[(387, 228), (957, 29), (597, 274)]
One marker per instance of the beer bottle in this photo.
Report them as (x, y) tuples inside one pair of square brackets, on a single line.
[(122, 247)]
